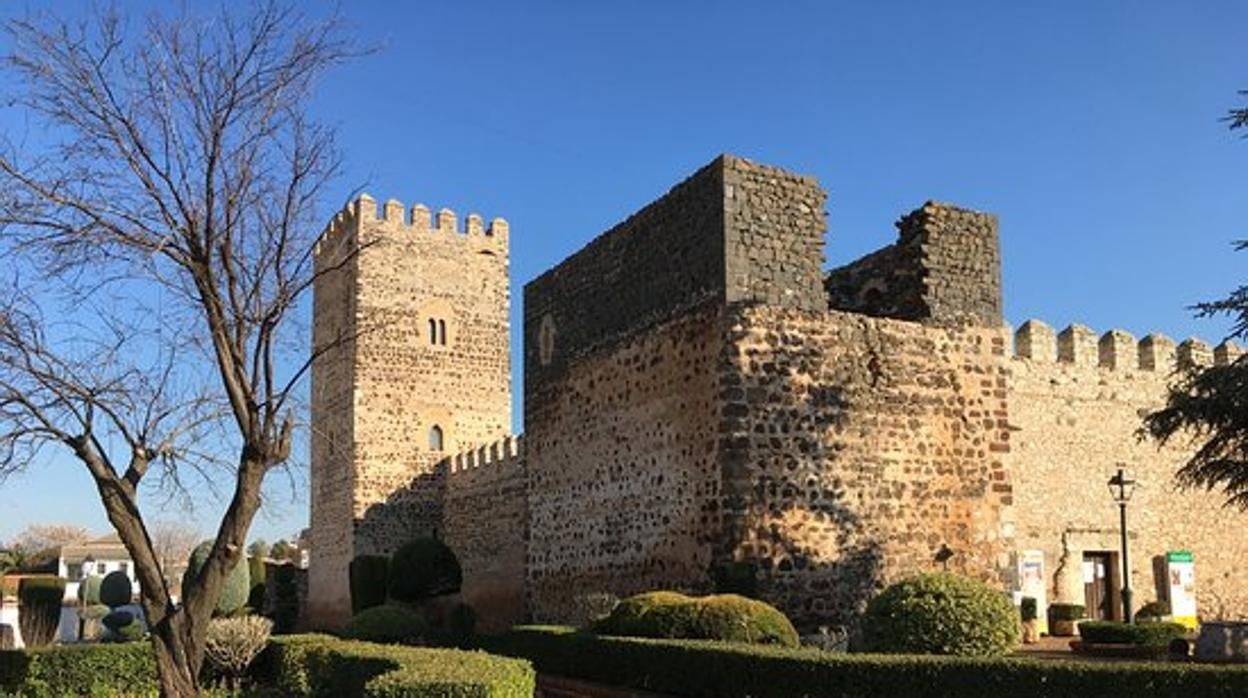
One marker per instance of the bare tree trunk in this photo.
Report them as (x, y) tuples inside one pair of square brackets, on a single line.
[(177, 662)]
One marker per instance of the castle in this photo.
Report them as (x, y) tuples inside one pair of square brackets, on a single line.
[(706, 408)]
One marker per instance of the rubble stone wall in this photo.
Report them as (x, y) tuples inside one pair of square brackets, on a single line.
[(853, 449)]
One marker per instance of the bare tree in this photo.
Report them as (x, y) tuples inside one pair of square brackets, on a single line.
[(39, 537), (169, 211), (173, 541)]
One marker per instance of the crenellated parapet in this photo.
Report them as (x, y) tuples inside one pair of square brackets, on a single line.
[(1079, 345), (419, 219), (505, 452)]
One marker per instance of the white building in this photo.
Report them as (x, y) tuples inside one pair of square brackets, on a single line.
[(99, 557)]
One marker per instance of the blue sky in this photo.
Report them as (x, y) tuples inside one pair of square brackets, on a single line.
[(1091, 129)]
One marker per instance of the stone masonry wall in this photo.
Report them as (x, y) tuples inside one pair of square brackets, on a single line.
[(1076, 402), (332, 415), (853, 448), (774, 227), (623, 480), (429, 311), (945, 266), (485, 522)]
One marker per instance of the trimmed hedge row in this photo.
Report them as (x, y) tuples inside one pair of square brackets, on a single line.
[(79, 670), (320, 665), (699, 668), (1157, 634)]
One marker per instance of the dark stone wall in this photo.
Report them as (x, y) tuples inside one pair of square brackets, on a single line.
[(774, 236), (945, 266)]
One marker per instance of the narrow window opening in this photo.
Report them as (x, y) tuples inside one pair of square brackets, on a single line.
[(442, 332), (433, 331), (435, 438)]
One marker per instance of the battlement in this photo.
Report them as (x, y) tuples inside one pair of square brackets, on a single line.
[(504, 452), (419, 219), (1079, 345)]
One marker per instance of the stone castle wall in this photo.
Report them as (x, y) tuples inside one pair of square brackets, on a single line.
[(703, 408), (854, 448), (485, 521), (1076, 403)]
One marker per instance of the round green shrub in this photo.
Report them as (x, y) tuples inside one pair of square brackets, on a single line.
[(726, 617), (1153, 611), (94, 612), (1067, 611), (941, 613), (116, 589), (237, 583), (89, 590), (367, 575), (123, 626), (117, 619), (463, 622), (1027, 609), (386, 624), (423, 568)]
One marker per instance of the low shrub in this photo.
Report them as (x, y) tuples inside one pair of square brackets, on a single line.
[(116, 589), (367, 575), (237, 583), (232, 644), (421, 569), (1067, 611), (1153, 610), (702, 669), (726, 617), (463, 624), (123, 626), (79, 670), (39, 609), (941, 613), (387, 624), (1027, 608), (1158, 634), (318, 665)]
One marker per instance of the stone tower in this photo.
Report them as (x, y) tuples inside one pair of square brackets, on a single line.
[(410, 326)]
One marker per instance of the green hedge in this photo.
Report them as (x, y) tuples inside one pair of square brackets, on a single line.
[(699, 668), (79, 670), (1144, 634), (320, 665)]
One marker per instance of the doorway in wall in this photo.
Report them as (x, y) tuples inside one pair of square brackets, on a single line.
[(1098, 585)]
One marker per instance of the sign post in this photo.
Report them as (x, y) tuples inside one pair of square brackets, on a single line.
[(1181, 584)]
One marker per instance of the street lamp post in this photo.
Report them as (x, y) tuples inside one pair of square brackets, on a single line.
[(1121, 487)]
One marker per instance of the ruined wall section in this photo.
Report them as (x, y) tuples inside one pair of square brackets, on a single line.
[(945, 266), (853, 448), (412, 376), (332, 476), (485, 521), (1077, 400)]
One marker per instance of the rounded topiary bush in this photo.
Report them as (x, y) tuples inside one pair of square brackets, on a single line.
[(388, 624), (423, 568), (941, 613), (116, 589), (727, 617), (237, 585)]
